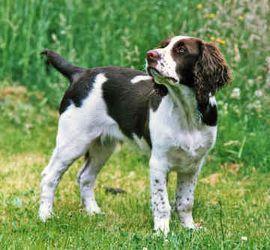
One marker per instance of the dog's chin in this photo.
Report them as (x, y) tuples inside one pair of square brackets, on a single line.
[(159, 78)]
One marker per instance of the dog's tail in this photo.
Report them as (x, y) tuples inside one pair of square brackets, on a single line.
[(59, 63)]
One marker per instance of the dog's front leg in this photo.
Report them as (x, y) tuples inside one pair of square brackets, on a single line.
[(159, 197), (186, 183)]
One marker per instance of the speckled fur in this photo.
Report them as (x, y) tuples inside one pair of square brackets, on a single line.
[(171, 124)]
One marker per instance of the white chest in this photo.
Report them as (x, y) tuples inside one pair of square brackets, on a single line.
[(177, 133)]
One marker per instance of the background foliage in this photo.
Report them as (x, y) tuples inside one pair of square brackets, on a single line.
[(118, 32)]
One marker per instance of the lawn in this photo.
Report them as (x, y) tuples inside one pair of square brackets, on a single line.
[(232, 199)]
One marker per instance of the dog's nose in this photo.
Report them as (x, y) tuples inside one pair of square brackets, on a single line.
[(152, 54)]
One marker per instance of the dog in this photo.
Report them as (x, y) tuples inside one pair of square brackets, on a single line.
[(171, 109)]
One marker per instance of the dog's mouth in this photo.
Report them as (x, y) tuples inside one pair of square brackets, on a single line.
[(159, 78)]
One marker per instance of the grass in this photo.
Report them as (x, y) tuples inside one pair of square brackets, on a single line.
[(232, 197)]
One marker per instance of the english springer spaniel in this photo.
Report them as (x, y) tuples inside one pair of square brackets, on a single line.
[(172, 110)]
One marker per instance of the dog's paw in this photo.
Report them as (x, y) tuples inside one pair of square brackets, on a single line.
[(93, 209), (193, 226), (187, 222), (45, 212), (162, 226)]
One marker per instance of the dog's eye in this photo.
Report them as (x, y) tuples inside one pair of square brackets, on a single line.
[(180, 50)]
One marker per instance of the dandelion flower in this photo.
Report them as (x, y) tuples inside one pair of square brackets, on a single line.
[(241, 18), (236, 93), (210, 15), (220, 41), (199, 6)]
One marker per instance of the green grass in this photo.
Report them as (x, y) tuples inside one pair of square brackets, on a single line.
[(232, 198)]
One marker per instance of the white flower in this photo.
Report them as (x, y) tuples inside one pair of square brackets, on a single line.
[(244, 238), (54, 37), (258, 93), (235, 93), (250, 82)]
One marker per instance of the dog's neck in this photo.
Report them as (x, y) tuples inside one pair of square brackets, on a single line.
[(185, 102)]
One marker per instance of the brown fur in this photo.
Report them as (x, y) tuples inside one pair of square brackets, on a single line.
[(211, 72)]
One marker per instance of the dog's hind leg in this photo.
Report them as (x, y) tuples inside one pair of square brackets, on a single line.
[(98, 154), (71, 144), (61, 159)]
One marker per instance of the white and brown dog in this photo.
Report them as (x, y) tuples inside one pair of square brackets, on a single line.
[(172, 109)]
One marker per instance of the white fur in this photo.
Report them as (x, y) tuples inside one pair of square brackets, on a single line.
[(212, 100), (137, 79), (78, 128), (99, 153), (180, 142)]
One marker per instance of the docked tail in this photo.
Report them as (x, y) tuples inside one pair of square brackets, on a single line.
[(64, 67)]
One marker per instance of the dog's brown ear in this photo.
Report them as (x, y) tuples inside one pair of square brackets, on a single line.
[(211, 72)]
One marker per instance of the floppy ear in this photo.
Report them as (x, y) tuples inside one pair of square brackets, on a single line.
[(211, 72)]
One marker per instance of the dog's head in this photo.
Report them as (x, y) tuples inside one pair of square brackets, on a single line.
[(192, 62)]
